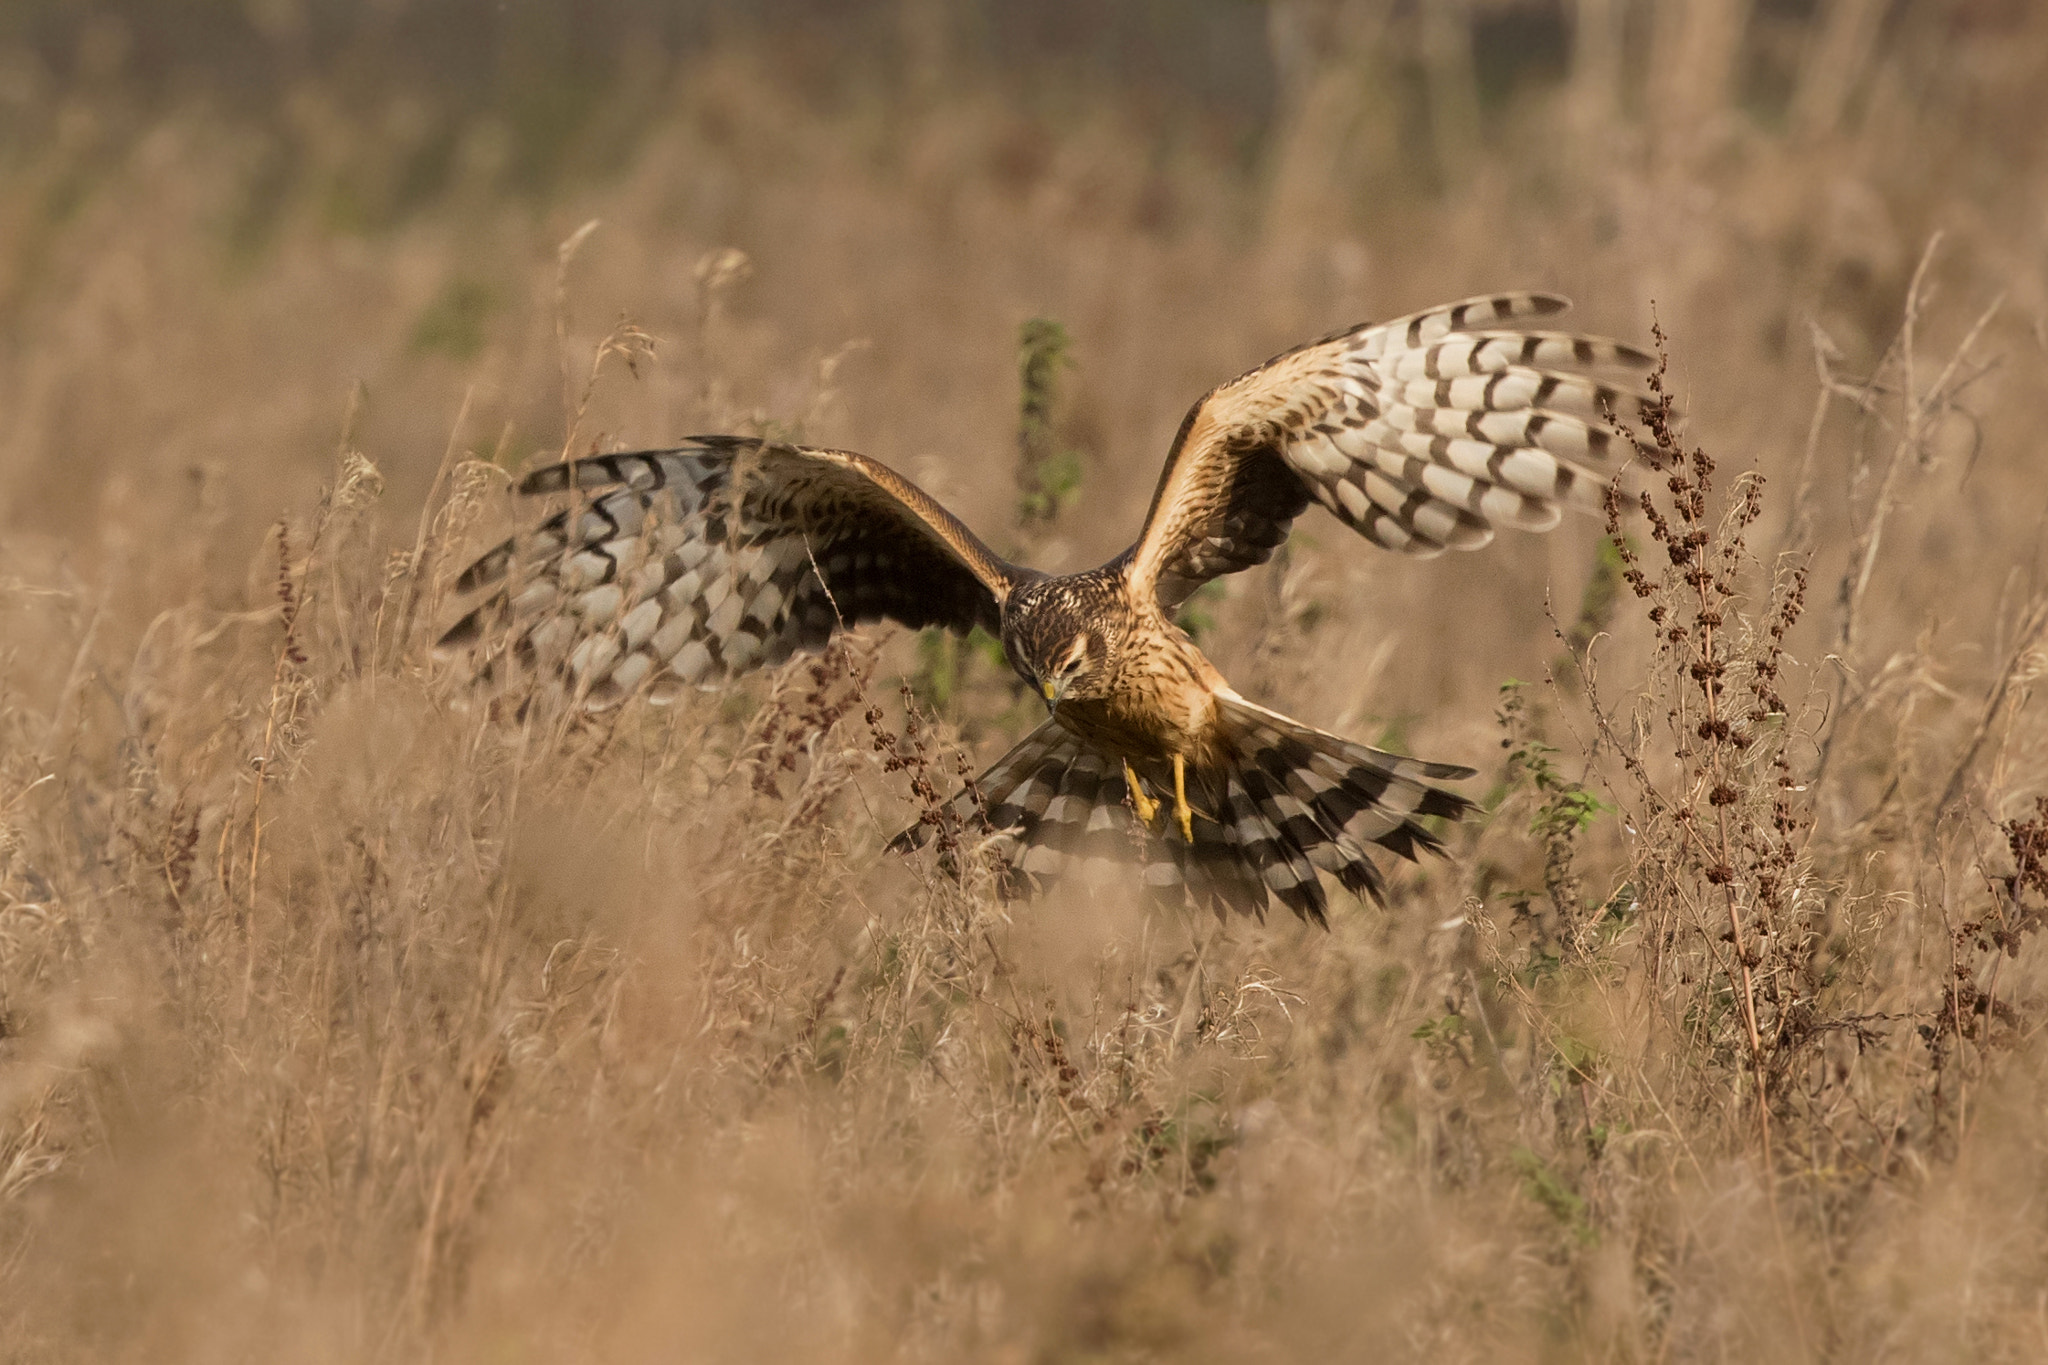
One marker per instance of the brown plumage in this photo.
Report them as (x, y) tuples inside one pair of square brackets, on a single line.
[(682, 567)]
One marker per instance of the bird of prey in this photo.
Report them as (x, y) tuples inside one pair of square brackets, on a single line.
[(682, 567)]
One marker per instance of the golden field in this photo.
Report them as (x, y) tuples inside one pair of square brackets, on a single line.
[(344, 1018)]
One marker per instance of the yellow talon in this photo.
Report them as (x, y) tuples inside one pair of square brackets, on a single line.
[(1180, 799), (1147, 807)]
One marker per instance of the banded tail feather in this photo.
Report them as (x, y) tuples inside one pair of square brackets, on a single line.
[(1289, 802), (1056, 810)]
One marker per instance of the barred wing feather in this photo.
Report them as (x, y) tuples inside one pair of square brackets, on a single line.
[(686, 566), (1422, 434)]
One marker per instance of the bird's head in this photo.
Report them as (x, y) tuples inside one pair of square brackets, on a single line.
[(1059, 648), (1073, 670)]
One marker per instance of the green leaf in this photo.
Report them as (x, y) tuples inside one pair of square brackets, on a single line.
[(1549, 1189)]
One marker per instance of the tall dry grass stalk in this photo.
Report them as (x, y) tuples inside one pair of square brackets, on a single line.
[(348, 1014)]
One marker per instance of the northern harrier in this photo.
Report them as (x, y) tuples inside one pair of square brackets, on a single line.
[(681, 567)]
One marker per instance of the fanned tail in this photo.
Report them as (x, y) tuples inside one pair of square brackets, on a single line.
[(1298, 800), (1290, 803), (1056, 809)]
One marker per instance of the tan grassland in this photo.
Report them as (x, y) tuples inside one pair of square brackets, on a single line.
[(343, 1018)]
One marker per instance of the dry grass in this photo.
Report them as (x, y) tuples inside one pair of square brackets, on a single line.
[(343, 1018)]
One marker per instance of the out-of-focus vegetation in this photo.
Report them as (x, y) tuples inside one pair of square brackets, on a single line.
[(344, 1018)]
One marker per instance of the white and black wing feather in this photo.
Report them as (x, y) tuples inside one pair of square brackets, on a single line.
[(685, 566), (1423, 434)]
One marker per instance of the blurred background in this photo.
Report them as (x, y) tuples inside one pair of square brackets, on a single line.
[(242, 239)]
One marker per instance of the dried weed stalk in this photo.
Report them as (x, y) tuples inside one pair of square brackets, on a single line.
[(1730, 821)]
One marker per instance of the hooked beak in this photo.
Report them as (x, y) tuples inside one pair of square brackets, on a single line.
[(1054, 689)]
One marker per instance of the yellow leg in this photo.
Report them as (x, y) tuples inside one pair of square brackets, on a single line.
[(1147, 807), (1180, 799)]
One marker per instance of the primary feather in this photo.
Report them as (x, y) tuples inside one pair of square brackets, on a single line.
[(683, 567), (1422, 434)]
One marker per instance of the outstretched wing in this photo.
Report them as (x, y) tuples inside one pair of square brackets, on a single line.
[(1422, 434), (684, 566)]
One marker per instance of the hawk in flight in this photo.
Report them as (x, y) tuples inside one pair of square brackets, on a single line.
[(682, 567)]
